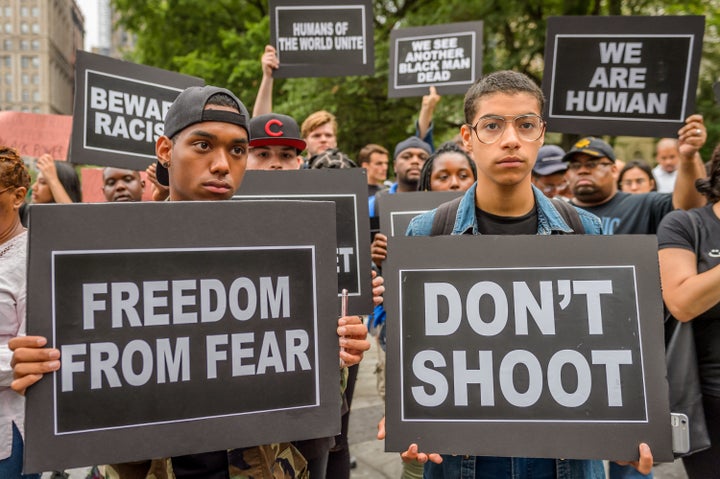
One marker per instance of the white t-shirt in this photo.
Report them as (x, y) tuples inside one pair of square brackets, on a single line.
[(665, 181)]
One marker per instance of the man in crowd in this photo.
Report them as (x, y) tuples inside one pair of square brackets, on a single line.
[(204, 149), (503, 130), (667, 157), (120, 185), (319, 130), (276, 143), (375, 159), (548, 174), (591, 176)]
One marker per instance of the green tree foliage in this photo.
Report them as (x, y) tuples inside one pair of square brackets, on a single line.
[(222, 42)]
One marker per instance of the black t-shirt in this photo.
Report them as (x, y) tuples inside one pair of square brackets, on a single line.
[(626, 213), (489, 224), (676, 231)]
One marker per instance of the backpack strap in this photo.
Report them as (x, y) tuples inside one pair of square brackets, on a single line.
[(444, 220), (570, 215)]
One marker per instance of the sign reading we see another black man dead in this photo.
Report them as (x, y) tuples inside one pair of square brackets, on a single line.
[(448, 57), (621, 75), (347, 188), (119, 110), (322, 39), (526, 346), (208, 326)]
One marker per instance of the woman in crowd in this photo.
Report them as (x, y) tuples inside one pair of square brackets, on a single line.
[(56, 182), (690, 290), (636, 177), (14, 183), (450, 168)]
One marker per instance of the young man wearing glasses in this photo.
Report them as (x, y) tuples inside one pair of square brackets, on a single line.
[(503, 133), (591, 175)]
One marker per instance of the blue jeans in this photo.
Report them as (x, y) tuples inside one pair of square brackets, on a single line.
[(478, 467), (11, 467), (626, 472)]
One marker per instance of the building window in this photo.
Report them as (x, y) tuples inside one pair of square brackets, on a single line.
[(8, 44), (8, 11), (25, 109), (25, 79), (5, 61), (8, 96), (36, 28), (24, 11), (24, 28), (36, 45), (35, 12), (25, 95), (25, 62), (24, 45), (35, 61), (8, 27), (36, 95), (36, 79), (36, 109), (8, 78)]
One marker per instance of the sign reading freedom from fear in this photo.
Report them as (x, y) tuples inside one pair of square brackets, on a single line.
[(510, 340), (317, 39), (621, 75), (180, 336)]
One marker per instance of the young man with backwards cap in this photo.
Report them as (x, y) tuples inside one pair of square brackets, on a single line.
[(204, 150), (548, 174), (591, 177)]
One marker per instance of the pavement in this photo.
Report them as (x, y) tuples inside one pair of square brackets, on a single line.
[(372, 460)]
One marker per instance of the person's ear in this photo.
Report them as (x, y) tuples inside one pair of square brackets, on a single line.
[(466, 135), (163, 150), (20, 194)]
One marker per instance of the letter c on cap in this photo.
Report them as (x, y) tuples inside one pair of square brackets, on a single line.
[(270, 131)]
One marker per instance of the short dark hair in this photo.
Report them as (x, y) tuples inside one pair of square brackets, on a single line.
[(505, 81), (367, 151), (427, 169)]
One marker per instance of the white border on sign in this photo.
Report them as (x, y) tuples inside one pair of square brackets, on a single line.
[(472, 35), (398, 214), (326, 7), (85, 111), (180, 250), (357, 228), (682, 115), (510, 420)]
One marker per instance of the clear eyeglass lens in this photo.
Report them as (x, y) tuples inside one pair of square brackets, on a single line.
[(490, 129)]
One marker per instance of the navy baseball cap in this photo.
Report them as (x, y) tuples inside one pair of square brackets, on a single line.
[(592, 146), (549, 160)]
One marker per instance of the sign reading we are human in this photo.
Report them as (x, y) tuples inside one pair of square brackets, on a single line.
[(315, 39), (504, 341), (177, 332), (448, 57), (621, 75), (119, 110)]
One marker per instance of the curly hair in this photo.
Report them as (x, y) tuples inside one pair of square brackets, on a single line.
[(710, 186), (427, 169), (13, 172)]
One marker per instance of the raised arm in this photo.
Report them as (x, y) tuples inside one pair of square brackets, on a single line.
[(46, 165), (691, 138), (263, 100)]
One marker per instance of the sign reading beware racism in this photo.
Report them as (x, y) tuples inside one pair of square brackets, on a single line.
[(396, 211), (448, 57), (119, 110), (504, 341), (348, 189), (316, 39), (164, 326), (621, 75)]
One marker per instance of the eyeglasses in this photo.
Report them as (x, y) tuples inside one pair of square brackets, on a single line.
[(7, 189), (550, 188), (489, 129), (589, 164)]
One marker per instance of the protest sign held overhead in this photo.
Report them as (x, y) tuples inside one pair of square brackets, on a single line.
[(348, 189), (119, 110), (621, 75), (448, 57), (153, 318), (494, 340), (20, 131), (316, 39)]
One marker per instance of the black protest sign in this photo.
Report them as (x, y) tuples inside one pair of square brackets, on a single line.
[(448, 57), (119, 110), (209, 327), (396, 211), (621, 75), (504, 341), (348, 189), (315, 39)]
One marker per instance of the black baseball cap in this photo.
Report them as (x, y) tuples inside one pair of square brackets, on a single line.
[(275, 129), (189, 108), (592, 146)]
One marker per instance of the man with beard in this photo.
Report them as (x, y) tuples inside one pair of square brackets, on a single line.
[(121, 185), (591, 176)]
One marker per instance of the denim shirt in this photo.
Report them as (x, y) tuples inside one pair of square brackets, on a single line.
[(472, 467), (549, 219)]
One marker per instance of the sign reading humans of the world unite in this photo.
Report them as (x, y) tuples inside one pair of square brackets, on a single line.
[(621, 75), (510, 340), (210, 327), (448, 57), (119, 110), (317, 39)]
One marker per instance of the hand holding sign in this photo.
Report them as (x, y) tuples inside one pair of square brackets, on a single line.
[(692, 136), (31, 360)]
